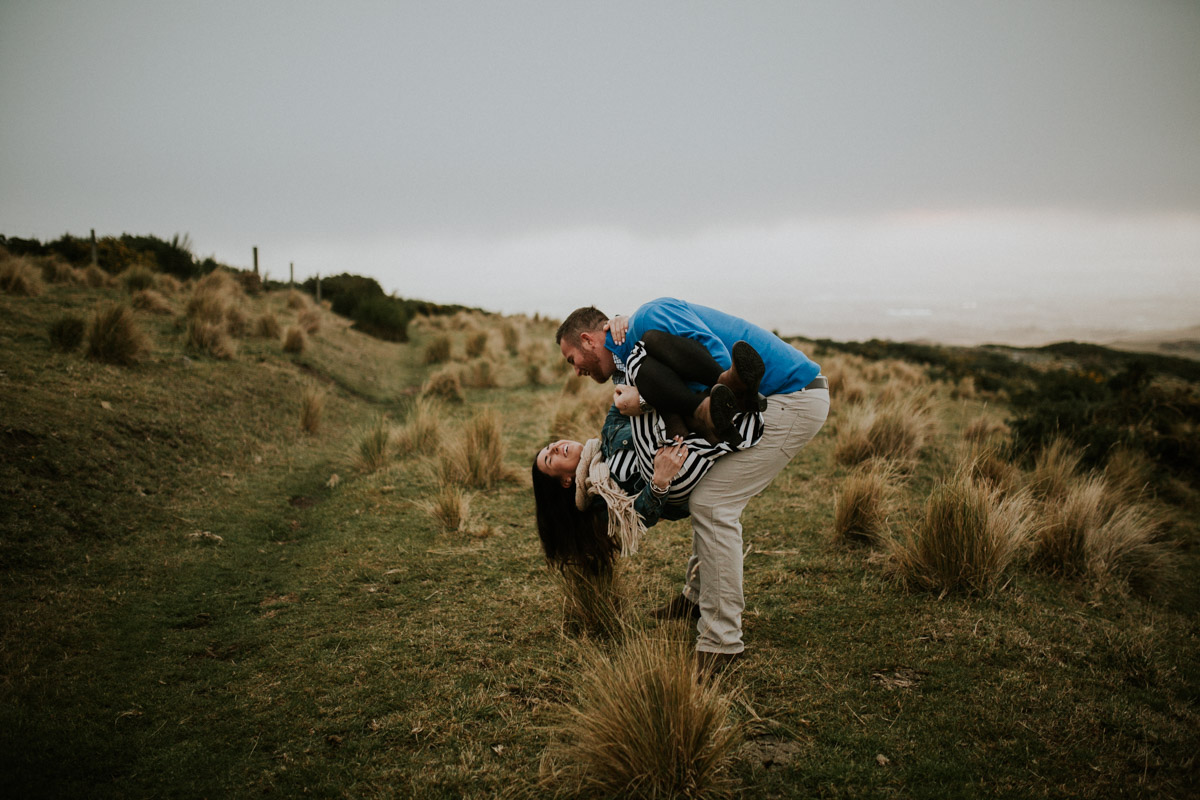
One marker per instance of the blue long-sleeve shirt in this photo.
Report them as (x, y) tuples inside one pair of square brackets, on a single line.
[(787, 369)]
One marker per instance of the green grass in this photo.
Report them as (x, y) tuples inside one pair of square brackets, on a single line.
[(336, 641)]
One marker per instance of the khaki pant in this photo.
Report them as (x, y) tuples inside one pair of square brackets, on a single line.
[(714, 575)]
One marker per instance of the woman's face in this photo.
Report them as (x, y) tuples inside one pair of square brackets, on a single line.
[(559, 460)]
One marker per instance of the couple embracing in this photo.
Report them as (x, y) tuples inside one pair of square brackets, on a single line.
[(707, 409)]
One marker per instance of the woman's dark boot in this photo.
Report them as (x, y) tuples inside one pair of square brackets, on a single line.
[(713, 418), (744, 376)]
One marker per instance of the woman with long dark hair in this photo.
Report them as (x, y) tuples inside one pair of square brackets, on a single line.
[(594, 499)]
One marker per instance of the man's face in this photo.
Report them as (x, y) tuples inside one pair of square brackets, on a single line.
[(589, 357)]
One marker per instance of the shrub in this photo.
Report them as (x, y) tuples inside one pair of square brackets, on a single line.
[(642, 726), (445, 384), (66, 333), (294, 341), (17, 276), (373, 451), (209, 337), (966, 539), (114, 336), (266, 326), (861, 509), (312, 404), (438, 350), (152, 301)]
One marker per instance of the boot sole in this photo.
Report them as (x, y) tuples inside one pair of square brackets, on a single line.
[(750, 370)]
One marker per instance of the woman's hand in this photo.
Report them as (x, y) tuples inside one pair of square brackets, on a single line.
[(618, 326), (627, 400), (667, 463)]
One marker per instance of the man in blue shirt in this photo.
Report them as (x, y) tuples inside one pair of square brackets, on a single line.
[(797, 405)]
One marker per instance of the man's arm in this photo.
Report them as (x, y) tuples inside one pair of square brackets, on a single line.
[(675, 316)]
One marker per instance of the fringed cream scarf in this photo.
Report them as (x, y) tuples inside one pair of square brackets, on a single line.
[(592, 479)]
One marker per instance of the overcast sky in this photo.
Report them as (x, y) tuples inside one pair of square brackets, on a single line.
[(813, 163)]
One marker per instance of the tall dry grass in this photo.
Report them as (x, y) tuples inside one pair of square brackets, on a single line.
[(966, 539), (1054, 469), (476, 344), (55, 270), (150, 300), (114, 337), (422, 429), (294, 341), (372, 451), (863, 504), (895, 430), (208, 336), (642, 726), (437, 351), (475, 458), (66, 332), (450, 507), (312, 406), (445, 384), (18, 276)]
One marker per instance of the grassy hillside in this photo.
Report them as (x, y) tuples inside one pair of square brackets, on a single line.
[(201, 598)]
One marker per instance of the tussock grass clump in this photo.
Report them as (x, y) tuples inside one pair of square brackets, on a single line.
[(512, 338), (482, 374), (1054, 469), (294, 341), (438, 350), (642, 726), (167, 283), (297, 301), (137, 278), (445, 384), (966, 539), (450, 507), (55, 270), (97, 278), (312, 406), (1091, 531), (894, 431), (18, 276), (237, 322), (862, 505), (422, 430), (267, 326), (988, 466), (373, 451), (114, 336), (1128, 472), (476, 458), (533, 374), (310, 320), (66, 332), (594, 601), (964, 389), (207, 336), (152, 301), (477, 344), (984, 430)]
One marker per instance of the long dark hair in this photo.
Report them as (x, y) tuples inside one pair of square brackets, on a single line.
[(571, 537)]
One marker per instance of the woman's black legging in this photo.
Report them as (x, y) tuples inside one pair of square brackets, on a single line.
[(671, 361)]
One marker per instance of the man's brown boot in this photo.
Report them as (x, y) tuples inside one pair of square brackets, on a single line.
[(744, 376), (679, 608)]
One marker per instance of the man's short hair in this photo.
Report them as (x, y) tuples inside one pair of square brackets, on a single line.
[(578, 321)]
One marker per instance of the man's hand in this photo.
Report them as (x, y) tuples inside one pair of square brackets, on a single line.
[(667, 463), (627, 400), (618, 326)]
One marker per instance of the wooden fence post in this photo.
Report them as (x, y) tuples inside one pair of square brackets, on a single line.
[(95, 255), (292, 275), (255, 260), (318, 288)]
